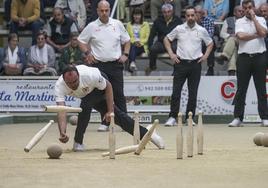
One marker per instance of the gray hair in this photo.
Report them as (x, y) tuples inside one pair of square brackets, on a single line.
[(167, 6)]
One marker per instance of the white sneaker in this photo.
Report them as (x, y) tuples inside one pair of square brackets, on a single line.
[(170, 122), (133, 66), (78, 147), (103, 128), (264, 123), (236, 123), (156, 139)]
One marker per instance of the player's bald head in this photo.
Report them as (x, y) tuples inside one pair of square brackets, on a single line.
[(103, 3)]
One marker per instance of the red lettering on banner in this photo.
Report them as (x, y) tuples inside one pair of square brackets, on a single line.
[(223, 90)]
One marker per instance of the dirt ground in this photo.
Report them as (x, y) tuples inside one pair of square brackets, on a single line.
[(230, 160)]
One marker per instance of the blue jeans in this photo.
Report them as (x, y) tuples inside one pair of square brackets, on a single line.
[(134, 52)]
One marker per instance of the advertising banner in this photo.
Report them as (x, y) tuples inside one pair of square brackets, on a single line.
[(146, 94)]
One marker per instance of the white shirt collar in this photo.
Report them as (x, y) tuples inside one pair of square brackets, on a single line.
[(192, 28), (101, 23)]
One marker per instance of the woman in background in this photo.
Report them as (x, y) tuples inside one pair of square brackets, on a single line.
[(12, 57), (139, 32), (41, 58)]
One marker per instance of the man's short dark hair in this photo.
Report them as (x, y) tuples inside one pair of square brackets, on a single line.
[(244, 2), (189, 7)]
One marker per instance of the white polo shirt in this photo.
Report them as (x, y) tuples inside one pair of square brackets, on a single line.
[(189, 40), (89, 79), (105, 39), (246, 25)]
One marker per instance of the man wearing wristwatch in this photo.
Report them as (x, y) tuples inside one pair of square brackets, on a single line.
[(102, 42)]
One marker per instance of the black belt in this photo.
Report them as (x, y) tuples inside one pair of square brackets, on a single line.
[(189, 60), (98, 61), (251, 55)]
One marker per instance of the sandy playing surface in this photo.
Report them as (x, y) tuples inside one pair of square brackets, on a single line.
[(230, 160)]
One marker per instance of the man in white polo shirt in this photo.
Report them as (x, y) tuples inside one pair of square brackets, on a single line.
[(102, 42), (187, 61), (95, 92), (250, 31)]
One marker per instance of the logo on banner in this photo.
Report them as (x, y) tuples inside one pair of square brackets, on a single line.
[(228, 89)]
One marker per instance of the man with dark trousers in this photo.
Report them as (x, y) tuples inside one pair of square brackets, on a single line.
[(102, 41), (187, 61), (95, 92), (250, 31), (161, 26)]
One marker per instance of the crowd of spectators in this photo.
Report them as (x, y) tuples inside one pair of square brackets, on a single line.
[(54, 39)]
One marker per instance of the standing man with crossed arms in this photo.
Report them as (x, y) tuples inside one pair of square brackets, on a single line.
[(250, 31), (102, 41), (187, 61)]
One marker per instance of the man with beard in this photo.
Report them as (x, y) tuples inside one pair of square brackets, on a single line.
[(59, 30), (187, 61)]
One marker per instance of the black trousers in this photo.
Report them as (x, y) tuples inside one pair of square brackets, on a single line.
[(190, 71), (247, 66), (159, 48), (114, 72), (96, 100)]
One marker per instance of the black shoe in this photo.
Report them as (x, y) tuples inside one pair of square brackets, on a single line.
[(210, 71)]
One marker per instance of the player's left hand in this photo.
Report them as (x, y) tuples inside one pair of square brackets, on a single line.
[(202, 59)]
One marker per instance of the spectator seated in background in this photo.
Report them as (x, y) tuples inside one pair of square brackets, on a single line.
[(41, 58), (216, 9), (208, 24), (25, 15), (12, 57), (155, 6), (138, 31), (74, 9), (230, 49), (71, 54), (161, 27), (59, 30)]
